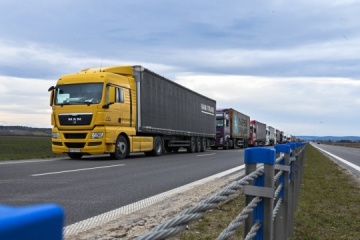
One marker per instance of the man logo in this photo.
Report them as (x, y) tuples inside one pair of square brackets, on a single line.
[(74, 120)]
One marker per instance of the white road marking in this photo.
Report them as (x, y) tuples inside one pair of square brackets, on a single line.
[(204, 155), (341, 159), (76, 170), (27, 161), (128, 209)]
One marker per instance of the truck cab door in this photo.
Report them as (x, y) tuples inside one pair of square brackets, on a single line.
[(119, 99)]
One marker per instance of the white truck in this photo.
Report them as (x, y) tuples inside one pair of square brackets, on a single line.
[(270, 136)]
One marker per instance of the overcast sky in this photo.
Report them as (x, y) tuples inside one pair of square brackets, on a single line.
[(294, 65)]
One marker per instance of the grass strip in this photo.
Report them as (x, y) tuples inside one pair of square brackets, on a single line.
[(18, 148), (329, 202), (328, 206)]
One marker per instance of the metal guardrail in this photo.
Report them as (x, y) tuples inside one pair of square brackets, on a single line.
[(38, 222), (271, 187)]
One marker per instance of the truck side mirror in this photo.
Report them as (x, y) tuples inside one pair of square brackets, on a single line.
[(51, 89)]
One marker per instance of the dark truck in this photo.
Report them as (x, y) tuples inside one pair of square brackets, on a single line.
[(232, 129)]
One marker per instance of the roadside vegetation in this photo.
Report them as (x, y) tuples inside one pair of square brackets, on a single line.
[(25, 147), (328, 206), (345, 144)]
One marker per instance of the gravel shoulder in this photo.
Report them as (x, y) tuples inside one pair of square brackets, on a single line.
[(140, 222)]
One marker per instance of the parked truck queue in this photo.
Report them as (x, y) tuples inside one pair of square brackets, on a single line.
[(120, 110)]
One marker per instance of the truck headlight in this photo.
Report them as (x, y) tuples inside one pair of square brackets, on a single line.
[(55, 135), (97, 135)]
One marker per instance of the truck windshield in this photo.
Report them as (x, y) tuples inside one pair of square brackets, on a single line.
[(220, 122), (85, 93)]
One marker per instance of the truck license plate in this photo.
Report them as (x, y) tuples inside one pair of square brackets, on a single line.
[(75, 150)]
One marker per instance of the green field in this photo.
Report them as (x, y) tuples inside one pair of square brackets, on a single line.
[(23, 147)]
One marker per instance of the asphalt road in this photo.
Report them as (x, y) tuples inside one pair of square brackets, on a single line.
[(91, 186), (348, 158)]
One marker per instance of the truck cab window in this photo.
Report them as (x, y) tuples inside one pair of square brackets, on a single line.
[(119, 95)]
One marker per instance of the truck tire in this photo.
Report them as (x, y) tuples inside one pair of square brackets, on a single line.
[(158, 146), (198, 144), (203, 145), (121, 148), (75, 155), (226, 145), (232, 144), (192, 147)]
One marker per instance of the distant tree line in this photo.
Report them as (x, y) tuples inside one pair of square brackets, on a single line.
[(23, 128), (24, 131)]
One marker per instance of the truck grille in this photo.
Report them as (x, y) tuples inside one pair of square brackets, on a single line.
[(75, 119), (75, 135)]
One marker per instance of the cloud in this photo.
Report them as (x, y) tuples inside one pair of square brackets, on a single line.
[(24, 101), (291, 64), (285, 103)]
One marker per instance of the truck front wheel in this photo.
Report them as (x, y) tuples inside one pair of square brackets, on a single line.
[(121, 148)]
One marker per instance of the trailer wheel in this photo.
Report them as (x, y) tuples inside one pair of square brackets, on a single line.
[(203, 145), (121, 148), (232, 144), (198, 144), (192, 147), (75, 155)]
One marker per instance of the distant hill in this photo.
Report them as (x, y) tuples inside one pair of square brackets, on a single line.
[(24, 131), (330, 138)]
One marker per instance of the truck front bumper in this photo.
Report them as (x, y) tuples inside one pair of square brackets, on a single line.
[(86, 142)]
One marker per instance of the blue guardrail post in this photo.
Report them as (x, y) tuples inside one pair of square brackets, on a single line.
[(37, 222), (263, 187), (284, 220)]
